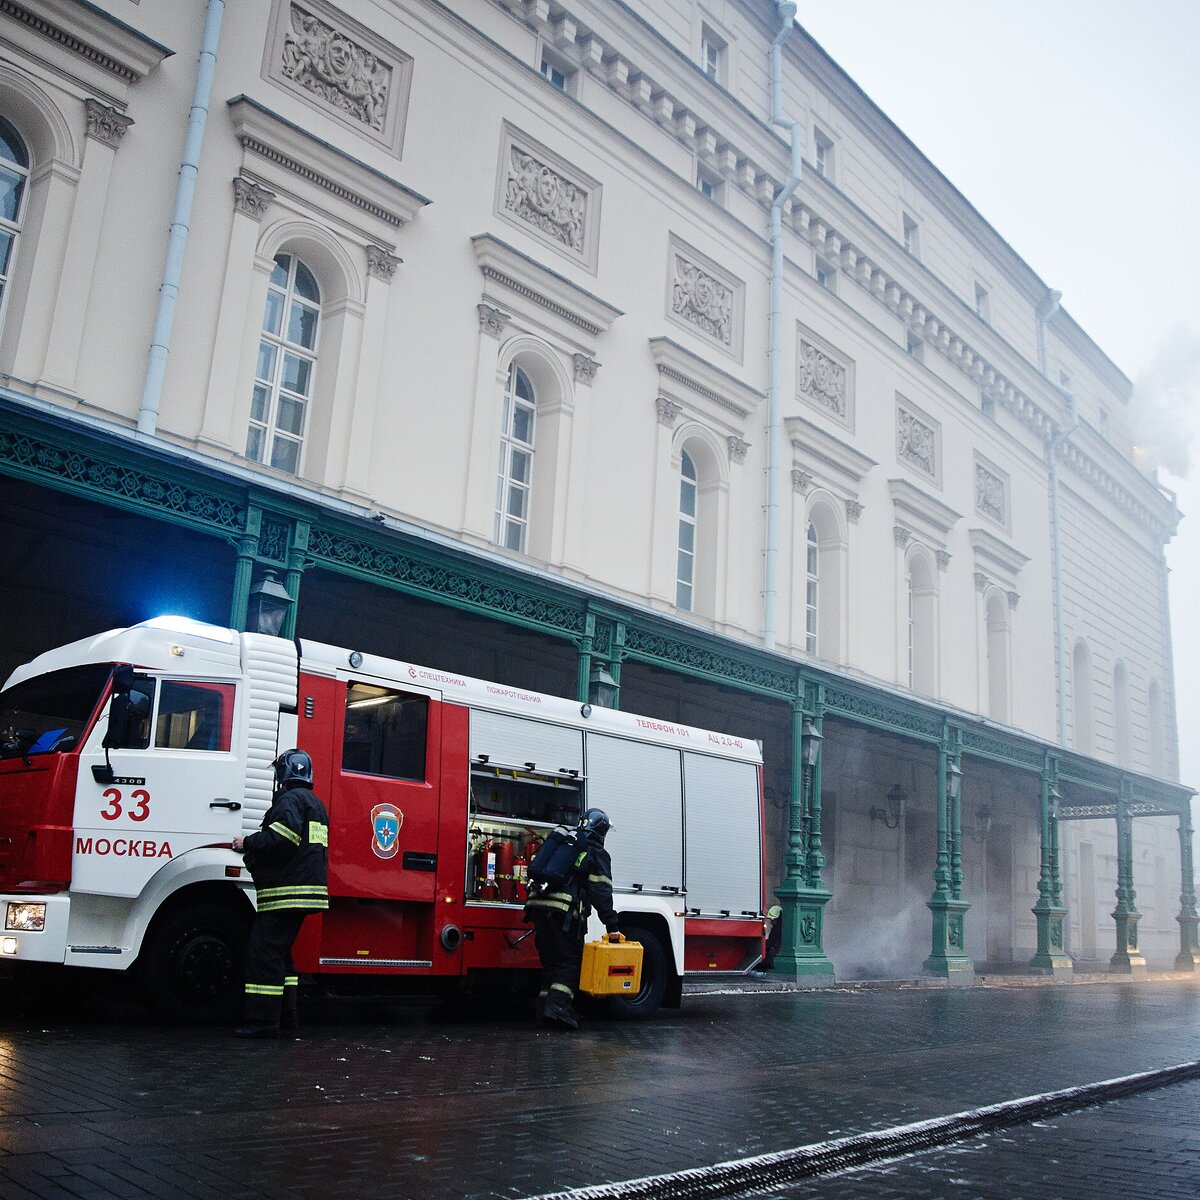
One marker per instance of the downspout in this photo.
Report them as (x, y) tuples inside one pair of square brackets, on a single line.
[(787, 16), (1048, 310), (173, 268)]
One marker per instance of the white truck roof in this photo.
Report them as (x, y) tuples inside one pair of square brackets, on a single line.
[(521, 702)]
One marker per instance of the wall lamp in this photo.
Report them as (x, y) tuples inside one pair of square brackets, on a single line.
[(953, 779), (1055, 797), (810, 743), (602, 687), (983, 824), (893, 814), (269, 605)]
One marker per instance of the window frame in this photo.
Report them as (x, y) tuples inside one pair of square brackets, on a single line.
[(282, 346), (510, 445), (714, 54), (812, 589), (823, 154), (384, 693), (686, 520), (12, 226)]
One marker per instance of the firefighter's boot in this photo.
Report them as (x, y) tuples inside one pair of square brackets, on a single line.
[(539, 1007), (257, 1029), (289, 1017), (558, 1013)]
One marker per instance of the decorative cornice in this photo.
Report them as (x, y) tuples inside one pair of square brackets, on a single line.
[(680, 365), (105, 123), (295, 151), (912, 503), (1104, 482), (90, 33), (996, 555), (825, 454), (251, 198), (508, 268), (381, 264)]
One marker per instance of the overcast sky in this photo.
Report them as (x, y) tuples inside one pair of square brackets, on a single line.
[(1073, 126)]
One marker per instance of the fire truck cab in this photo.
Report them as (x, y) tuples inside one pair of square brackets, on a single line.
[(129, 761)]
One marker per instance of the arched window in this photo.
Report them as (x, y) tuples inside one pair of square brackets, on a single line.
[(1081, 686), (685, 556), (820, 579), (921, 583), (514, 482), (1121, 716), (997, 613), (287, 363), (812, 589), (14, 176)]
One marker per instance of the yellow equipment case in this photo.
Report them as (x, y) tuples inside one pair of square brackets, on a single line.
[(611, 968)]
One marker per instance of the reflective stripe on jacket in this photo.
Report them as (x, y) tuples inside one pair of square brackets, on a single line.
[(287, 856)]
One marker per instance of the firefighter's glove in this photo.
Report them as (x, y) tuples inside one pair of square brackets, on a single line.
[(615, 935)]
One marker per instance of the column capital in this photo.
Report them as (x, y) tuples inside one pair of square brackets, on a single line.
[(105, 123), (251, 198)]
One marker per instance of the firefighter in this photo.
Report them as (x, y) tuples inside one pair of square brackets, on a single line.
[(560, 914), (287, 859)]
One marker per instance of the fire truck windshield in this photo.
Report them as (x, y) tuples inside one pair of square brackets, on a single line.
[(50, 712)]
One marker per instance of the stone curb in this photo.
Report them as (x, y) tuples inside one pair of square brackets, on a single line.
[(824, 1158)]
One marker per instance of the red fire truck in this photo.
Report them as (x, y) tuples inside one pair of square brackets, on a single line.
[(129, 761)]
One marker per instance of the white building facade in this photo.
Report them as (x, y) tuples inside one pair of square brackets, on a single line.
[(494, 279)]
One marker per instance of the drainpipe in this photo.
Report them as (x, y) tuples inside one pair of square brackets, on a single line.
[(787, 16), (184, 193), (1048, 309)]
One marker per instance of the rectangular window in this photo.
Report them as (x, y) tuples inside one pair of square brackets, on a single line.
[(194, 715), (826, 274), (710, 185), (912, 236), (712, 54), (822, 154), (557, 72), (981, 302), (915, 346), (385, 732)]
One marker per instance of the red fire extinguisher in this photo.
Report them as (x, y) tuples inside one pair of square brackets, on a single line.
[(521, 877), (504, 869), (485, 871)]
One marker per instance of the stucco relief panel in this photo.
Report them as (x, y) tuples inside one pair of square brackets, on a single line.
[(991, 492), (704, 298), (918, 440), (824, 377), (320, 54), (544, 195)]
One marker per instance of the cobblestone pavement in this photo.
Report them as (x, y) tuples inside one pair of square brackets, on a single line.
[(383, 1101)]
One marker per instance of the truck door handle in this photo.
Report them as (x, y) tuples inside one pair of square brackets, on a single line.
[(232, 805)]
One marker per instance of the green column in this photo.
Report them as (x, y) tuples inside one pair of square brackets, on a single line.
[(802, 895), (1128, 959), (297, 551), (584, 674), (948, 957), (1188, 958), (1051, 957), (243, 571)]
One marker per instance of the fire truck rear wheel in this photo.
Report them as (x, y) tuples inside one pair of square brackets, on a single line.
[(191, 965), (654, 979)]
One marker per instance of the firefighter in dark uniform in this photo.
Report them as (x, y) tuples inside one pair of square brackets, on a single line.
[(560, 916), (287, 860)]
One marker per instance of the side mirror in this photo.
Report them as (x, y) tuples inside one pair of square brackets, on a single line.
[(128, 710), (118, 721)]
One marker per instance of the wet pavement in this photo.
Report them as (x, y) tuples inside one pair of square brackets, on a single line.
[(380, 1100)]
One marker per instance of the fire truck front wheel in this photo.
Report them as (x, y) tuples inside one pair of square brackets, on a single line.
[(654, 978), (191, 964)]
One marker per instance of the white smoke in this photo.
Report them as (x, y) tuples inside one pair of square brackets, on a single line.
[(1166, 399)]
